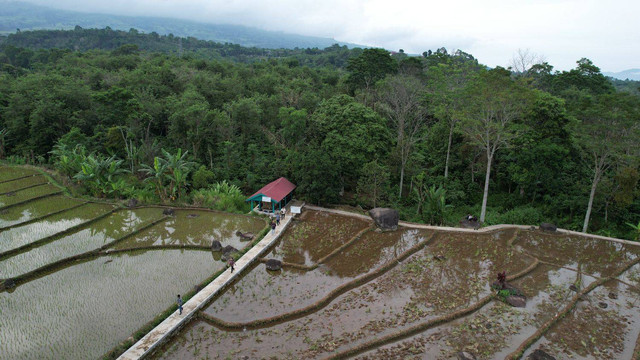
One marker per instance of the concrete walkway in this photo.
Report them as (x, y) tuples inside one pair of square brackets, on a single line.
[(174, 322), (483, 229)]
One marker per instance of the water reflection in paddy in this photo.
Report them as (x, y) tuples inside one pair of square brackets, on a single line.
[(23, 195), (600, 327), (21, 183), (197, 227), (262, 294), (22, 235), (93, 237), (83, 311), (36, 209), (314, 235), (592, 256)]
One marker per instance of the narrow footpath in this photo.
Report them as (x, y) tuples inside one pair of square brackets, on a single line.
[(480, 230), (174, 322)]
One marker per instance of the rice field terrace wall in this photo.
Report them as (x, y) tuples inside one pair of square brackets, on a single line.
[(414, 293), (77, 278)]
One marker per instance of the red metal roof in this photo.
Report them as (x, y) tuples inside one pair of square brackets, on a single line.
[(277, 189)]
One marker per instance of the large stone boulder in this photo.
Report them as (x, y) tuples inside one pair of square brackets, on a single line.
[(469, 224), (385, 218), (273, 264), (516, 301), (245, 236), (548, 227), (228, 252), (540, 355), (463, 355), (132, 203), (169, 212), (216, 246)]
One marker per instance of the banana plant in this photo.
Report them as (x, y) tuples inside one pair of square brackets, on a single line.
[(98, 173), (636, 228), (435, 204)]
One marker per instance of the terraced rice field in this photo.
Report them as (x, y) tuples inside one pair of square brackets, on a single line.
[(78, 278), (422, 294)]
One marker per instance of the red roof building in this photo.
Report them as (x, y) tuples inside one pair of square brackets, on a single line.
[(278, 193)]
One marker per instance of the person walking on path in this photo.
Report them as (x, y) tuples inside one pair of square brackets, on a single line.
[(278, 219), (282, 213), (273, 227), (231, 264), (179, 301)]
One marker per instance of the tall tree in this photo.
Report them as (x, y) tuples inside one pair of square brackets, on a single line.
[(372, 65), (608, 132), (494, 103), (402, 101), (372, 183), (447, 81)]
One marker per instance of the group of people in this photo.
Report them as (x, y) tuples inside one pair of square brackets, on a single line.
[(279, 215)]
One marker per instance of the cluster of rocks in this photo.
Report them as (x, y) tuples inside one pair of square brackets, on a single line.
[(227, 251)]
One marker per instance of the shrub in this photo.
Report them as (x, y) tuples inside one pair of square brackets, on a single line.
[(221, 196), (203, 177), (521, 215)]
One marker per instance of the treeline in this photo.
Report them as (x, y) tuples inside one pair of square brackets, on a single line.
[(82, 40), (437, 136)]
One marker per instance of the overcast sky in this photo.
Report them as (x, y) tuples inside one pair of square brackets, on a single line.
[(562, 31)]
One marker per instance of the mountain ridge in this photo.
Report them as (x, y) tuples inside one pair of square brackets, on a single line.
[(629, 74), (26, 16)]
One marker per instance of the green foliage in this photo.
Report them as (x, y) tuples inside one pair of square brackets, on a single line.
[(98, 173), (68, 160), (525, 215), (169, 174), (202, 177), (370, 66), (636, 229), (249, 115), (435, 206), (221, 196), (373, 183)]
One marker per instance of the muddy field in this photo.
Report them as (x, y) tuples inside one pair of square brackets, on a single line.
[(422, 294)]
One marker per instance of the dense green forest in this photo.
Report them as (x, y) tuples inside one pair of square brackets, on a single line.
[(436, 136)]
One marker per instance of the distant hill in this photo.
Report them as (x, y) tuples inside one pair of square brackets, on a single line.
[(24, 16), (631, 74)]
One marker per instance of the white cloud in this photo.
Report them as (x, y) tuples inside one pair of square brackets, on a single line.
[(492, 30)]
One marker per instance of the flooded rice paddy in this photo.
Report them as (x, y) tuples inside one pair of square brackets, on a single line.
[(346, 290), (71, 296), (422, 294)]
